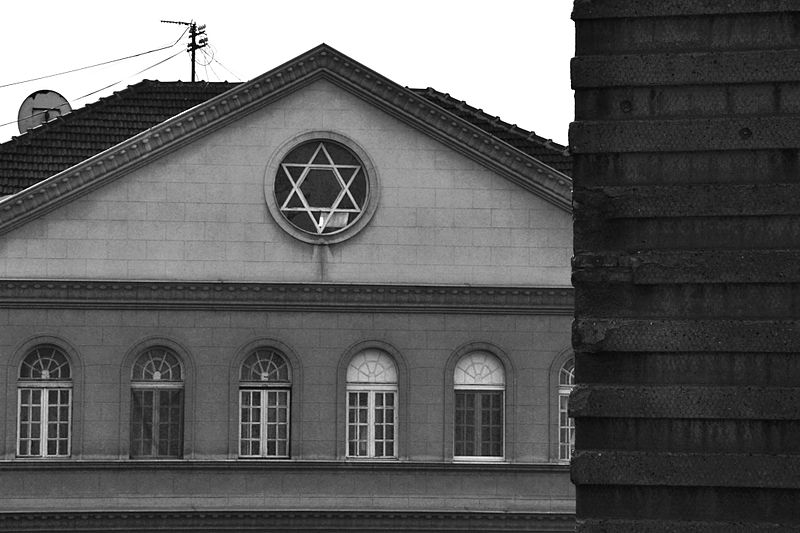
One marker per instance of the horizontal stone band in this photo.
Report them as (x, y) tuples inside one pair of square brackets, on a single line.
[(685, 135), (686, 469), (647, 70), (282, 296), (685, 402), (584, 9), (659, 335)]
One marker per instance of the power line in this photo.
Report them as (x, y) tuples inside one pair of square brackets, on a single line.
[(132, 75), (103, 88), (95, 65), (217, 61), (211, 60)]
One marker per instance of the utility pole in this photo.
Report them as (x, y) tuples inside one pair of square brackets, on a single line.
[(195, 31)]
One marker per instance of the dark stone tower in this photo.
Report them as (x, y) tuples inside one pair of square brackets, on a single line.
[(687, 265)]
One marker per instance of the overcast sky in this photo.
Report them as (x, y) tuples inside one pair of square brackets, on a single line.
[(507, 57)]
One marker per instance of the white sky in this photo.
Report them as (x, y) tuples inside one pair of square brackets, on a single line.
[(507, 57)]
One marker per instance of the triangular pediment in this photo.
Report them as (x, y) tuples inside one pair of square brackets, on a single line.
[(322, 62)]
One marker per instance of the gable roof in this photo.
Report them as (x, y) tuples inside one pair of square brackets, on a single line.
[(91, 129), (545, 150), (71, 138)]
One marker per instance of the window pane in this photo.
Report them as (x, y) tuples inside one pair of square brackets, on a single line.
[(465, 423), (156, 423), (478, 423), (384, 424), (250, 416), (264, 430), (30, 413), (491, 424), (358, 425), (566, 426), (277, 422)]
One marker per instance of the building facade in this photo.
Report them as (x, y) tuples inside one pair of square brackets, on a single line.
[(314, 301)]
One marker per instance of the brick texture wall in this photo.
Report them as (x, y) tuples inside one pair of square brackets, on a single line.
[(686, 250)]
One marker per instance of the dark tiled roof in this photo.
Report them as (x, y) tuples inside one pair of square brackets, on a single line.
[(545, 150), (61, 143), (57, 145)]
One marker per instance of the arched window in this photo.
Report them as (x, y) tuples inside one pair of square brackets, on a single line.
[(157, 404), (45, 404), (479, 382), (372, 405), (264, 395), (566, 425)]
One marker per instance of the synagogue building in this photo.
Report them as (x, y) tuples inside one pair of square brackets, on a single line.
[(315, 301)]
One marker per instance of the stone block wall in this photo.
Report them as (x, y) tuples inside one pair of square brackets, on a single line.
[(687, 237)]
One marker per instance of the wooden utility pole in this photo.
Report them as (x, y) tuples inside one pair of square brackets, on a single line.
[(195, 44)]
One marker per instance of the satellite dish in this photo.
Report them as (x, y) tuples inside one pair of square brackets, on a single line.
[(41, 107)]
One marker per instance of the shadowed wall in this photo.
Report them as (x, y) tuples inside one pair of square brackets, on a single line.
[(687, 229)]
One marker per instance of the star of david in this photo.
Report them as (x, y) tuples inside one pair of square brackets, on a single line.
[(322, 181)]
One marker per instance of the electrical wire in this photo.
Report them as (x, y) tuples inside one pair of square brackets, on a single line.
[(132, 75), (103, 88), (215, 60), (205, 68), (219, 78), (210, 58), (96, 64)]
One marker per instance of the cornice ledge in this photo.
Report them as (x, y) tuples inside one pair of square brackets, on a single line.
[(280, 520), (92, 294), (216, 112), (263, 465), (526, 171)]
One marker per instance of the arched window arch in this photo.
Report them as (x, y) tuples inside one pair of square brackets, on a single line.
[(372, 405), (264, 403), (157, 385), (45, 403), (566, 425), (479, 383)]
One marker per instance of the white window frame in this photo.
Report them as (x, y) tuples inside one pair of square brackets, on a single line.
[(263, 439), (258, 378), (372, 371), (481, 458), (371, 390), (156, 385), (45, 388), (565, 449)]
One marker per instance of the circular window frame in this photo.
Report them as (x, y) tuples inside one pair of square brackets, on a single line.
[(370, 204)]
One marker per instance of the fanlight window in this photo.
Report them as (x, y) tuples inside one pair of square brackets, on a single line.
[(45, 362), (479, 369), (264, 405), (372, 366), (44, 404), (157, 405), (372, 405), (265, 365), (479, 382), (566, 424), (157, 364)]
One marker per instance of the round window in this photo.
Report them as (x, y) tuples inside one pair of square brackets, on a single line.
[(321, 187)]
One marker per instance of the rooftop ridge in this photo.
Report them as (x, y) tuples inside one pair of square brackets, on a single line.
[(496, 121)]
